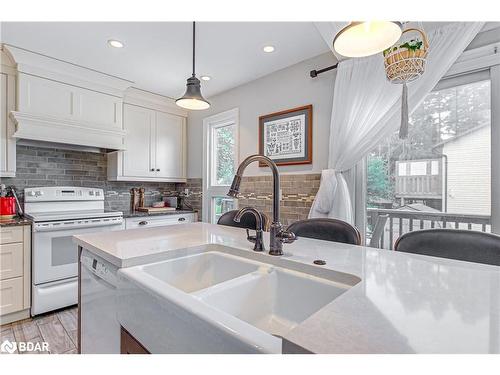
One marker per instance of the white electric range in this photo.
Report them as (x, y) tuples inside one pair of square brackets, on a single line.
[(59, 213)]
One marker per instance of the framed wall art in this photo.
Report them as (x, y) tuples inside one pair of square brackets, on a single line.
[(286, 136)]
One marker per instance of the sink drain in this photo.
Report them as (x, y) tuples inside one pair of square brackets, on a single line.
[(319, 262)]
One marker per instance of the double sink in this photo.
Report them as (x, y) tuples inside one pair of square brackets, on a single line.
[(252, 300)]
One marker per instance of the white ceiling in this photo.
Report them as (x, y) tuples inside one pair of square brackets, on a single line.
[(157, 55)]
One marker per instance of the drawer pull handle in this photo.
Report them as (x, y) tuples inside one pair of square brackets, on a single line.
[(143, 222), (182, 219), (157, 169)]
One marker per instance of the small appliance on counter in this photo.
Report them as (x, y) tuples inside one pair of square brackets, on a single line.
[(8, 203), (173, 202)]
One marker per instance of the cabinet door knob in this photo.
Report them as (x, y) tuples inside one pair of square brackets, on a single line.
[(143, 222), (182, 219), (158, 169), (152, 169)]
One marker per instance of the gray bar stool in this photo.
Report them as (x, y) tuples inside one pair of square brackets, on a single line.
[(247, 220), (326, 229), (459, 244)]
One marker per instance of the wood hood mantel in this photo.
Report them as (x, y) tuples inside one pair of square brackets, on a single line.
[(62, 102)]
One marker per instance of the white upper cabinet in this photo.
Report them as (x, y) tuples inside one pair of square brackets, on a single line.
[(7, 104), (139, 124), (170, 140), (155, 144)]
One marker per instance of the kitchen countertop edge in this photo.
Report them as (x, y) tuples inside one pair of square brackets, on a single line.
[(14, 222)]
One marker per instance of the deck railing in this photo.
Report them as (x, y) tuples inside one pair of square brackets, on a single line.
[(399, 222)]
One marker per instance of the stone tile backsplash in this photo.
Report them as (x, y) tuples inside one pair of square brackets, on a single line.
[(193, 199), (297, 194), (40, 166)]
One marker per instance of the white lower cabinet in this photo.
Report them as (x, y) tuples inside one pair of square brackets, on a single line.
[(11, 291), (15, 273), (159, 220), (155, 147)]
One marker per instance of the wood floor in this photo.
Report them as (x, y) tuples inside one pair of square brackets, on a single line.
[(58, 329)]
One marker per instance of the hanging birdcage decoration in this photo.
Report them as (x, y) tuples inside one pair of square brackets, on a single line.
[(405, 62)]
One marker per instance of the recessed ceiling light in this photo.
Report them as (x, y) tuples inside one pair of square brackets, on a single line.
[(206, 78), (268, 49), (115, 43)]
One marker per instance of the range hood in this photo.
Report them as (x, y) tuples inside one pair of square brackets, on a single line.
[(57, 130), (64, 103)]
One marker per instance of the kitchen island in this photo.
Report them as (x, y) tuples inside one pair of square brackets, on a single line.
[(394, 303)]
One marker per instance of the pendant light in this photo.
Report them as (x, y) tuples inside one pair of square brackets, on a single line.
[(192, 98), (359, 39)]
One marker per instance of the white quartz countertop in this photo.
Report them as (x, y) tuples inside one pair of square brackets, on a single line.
[(405, 303)]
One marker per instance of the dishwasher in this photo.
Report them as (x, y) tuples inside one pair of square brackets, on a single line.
[(100, 330)]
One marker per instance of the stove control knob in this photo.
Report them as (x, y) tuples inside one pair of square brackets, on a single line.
[(97, 193), (31, 193), (91, 192)]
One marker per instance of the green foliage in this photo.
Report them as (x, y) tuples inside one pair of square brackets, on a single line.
[(412, 45), (378, 179), (443, 114), (225, 155)]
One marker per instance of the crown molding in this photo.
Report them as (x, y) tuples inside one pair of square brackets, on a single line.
[(57, 70), (154, 101)]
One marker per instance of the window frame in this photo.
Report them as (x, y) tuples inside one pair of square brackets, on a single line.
[(464, 71), (211, 191), (211, 136)]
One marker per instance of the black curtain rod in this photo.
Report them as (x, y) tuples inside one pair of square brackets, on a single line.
[(314, 73)]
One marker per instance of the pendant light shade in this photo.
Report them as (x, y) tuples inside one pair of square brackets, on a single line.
[(359, 39), (192, 98)]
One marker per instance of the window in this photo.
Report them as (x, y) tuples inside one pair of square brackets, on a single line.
[(418, 168), (402, 169), (220, 134), (440, 177), (223, 154), (434, 167), (222, 205)]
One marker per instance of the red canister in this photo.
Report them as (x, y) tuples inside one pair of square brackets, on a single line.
[(7, 207)]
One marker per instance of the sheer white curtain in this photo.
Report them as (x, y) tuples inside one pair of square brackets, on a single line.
[(366, 109)]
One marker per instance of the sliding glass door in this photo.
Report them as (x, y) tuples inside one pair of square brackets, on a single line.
[(441, 176)]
